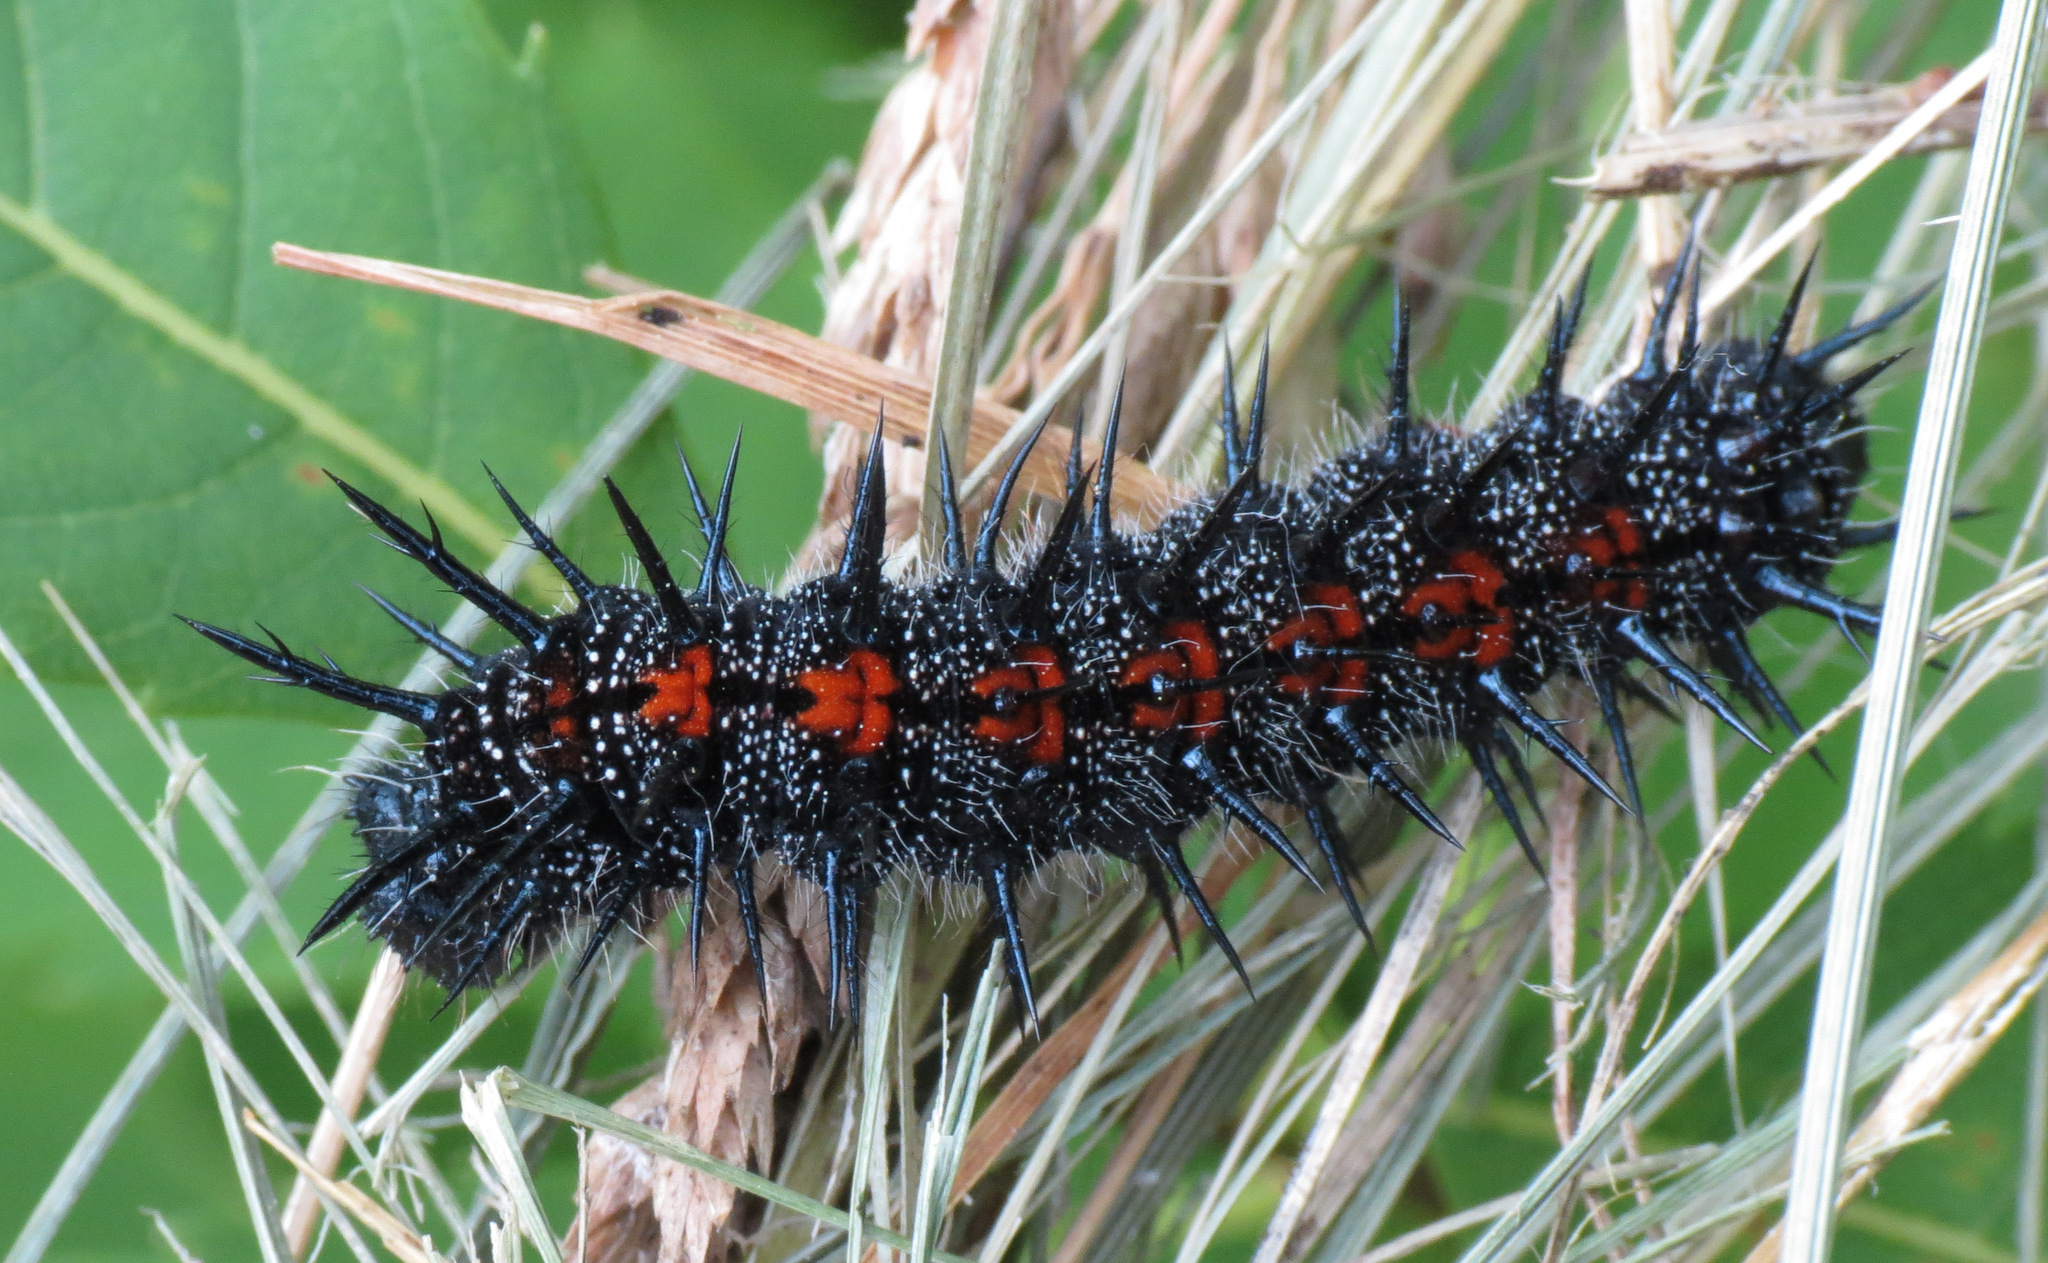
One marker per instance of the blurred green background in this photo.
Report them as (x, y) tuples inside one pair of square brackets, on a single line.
[(677, 131)]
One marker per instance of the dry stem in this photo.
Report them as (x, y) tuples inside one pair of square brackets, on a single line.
[(1782, 139), (351, 1076), (751, 351)]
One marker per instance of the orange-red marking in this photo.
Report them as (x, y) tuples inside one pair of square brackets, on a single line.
[(1189, 653), (1614, 542), (850, 702), (1329, 617), (1035, 723), (563, 725), (1468, 593), (682, 694)]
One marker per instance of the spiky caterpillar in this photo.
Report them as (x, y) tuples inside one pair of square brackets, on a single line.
[(1105, 692)]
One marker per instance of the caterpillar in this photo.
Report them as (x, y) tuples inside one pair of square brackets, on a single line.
[(1102, 690)]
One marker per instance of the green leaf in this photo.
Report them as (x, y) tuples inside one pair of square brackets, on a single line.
[(171, 397)]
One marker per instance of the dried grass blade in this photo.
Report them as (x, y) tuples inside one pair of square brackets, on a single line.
[(20, 815), (1362, 1048), (1604, 1112), (190, 900), (1079, 183), (1978, 610), (1651, 51), (1001, 105), (1881, 745), (1390, 116), (1304, 102), (1706, 797), (258, 1194), (214, 809), (164, 1230), (1138, 185), (1242, 1156), (483, 1112), (1161, 1097), (1766, 50), (1229, 1186), (951, 1113), (1076, 952), (885, 966), (1731, 279), (2032, 1206), (409, 1246), (1733, 149), (1933, 819), (1757, 1157), (391, 1115), (1445, 1043), (1023, 1192), (748, 350), (1055, 1059), (191, 783), (351, 1076)]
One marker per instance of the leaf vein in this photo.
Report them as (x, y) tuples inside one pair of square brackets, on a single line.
[(231, 356)]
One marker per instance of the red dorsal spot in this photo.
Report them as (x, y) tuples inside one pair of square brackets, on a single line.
[(682, 694), (1330, 618), (1461, 613), (1035, 723), (849, 702), (1628, 540), (1626, 537), (1187, 654), (1609, 547), (563, 724)]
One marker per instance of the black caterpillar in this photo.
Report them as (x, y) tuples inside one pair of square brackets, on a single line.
[(1103, 693)]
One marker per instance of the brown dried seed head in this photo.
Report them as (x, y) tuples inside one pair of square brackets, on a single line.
[(615, 1221), (904, 214), (729, 1057)]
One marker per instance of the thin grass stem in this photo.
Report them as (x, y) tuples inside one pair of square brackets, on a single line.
[(1116, 102), (258, 1195), (871, 1147), (582, 1113), (1362, 1047), (1001, 104), (1737, 274), (484, 1113), (1706, 797), (1880, 751), (1298, 109)]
